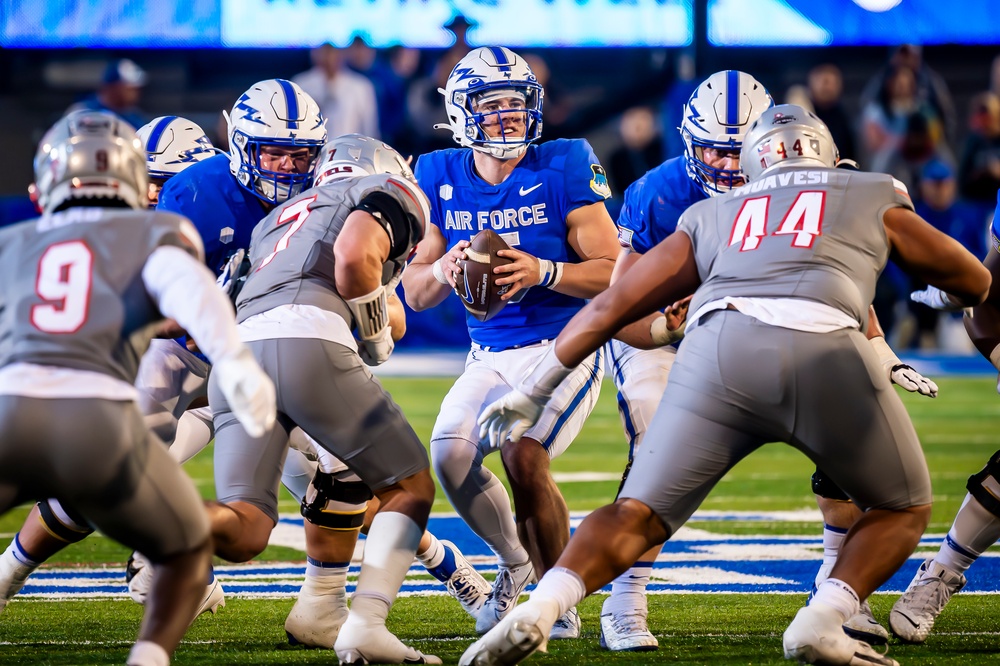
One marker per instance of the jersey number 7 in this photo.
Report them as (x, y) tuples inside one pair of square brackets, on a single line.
[(803, 221)]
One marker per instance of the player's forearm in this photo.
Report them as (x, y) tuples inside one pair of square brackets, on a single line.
[(421, 288), (638, 334), (585, 279), (984, 328)]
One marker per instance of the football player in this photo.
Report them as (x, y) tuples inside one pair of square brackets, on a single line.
[(83, 289), (977, 524), (783, 271), (547, 201), (322, 265), (716, 118), (171, 144)]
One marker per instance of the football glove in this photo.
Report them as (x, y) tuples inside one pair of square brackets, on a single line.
[(935, 298), (248, 390), (900, 373), (508, 418), (376, 351)]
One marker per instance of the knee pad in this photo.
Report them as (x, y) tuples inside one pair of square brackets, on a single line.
[(336, 501), (985, 485), (62, 523), (824, 487)]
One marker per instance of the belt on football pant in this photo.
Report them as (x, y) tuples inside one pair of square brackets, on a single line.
[(497, 348)]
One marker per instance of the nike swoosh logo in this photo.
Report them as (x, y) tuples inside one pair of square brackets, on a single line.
[(530, 189)]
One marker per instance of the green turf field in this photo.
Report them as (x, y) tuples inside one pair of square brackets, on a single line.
[(958, 431)]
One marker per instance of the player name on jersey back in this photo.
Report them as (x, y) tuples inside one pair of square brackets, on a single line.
[(783, 180), (503, 219)]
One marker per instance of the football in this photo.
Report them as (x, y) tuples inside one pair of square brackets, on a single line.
[(476, 284)]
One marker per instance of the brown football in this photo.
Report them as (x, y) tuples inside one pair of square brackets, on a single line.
[(476, 284)]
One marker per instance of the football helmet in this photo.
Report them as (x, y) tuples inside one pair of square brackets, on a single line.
[(787, 135), (172, 144), (274, 113), (718, 115), (356, 155), (488, 74), (90, 155)]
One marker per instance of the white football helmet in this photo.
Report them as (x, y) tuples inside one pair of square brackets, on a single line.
[(787, 135), (356, 155), (172, 144), (485, 74), (718, 115), (90, 155), (277, 113)]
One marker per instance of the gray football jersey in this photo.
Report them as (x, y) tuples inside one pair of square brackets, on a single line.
[(71, 290), (814, 234), (291, 250)]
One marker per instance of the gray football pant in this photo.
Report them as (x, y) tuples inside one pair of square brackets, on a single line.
[(739, 383), (97, 457)]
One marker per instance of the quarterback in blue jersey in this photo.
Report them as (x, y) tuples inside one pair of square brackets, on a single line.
[(547, 202), (977, 524)]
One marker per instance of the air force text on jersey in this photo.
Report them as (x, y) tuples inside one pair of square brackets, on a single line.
[(500, 220)]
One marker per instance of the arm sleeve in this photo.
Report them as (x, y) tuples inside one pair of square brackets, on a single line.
[(185, 291)]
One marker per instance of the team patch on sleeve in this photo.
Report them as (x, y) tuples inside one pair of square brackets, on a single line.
[(599, 183), (996, 241), (625, 237)]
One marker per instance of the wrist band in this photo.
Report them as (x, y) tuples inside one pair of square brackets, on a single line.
[(549, 273), (439, 272)]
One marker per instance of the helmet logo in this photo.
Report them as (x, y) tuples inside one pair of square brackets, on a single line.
[(249, 113)]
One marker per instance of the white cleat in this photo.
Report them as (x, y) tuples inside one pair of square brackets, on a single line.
[(214, 599), (816, 636), (522, 632), (466, 584), (627, 632), (507, 587), (13, 576), (913, 615), (567, 626), (364, 644), (864, 627), (315, 620), (139, 577)]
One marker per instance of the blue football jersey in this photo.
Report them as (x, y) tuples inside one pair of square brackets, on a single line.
[(223, 212), (995, 226), (654, 203), (529, 211)]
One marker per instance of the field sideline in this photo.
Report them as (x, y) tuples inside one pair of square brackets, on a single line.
[(753, 550)]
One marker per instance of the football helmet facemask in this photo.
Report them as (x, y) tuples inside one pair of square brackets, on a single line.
[(787, 135), (274, 114), (473, 99), (90, 155), (718, 115), (356, 155)]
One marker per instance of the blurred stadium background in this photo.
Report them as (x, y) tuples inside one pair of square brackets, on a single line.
[(615, 71)]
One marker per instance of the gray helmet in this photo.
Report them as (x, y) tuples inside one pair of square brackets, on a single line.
[(787, 135), (93, 155), (355, 155)]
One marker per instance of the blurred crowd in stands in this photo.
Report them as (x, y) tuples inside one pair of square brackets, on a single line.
[(905, 123)]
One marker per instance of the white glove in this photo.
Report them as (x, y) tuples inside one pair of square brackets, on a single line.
[(248, 390), (900, 373), (508, 418), (912, 381), (376, 351), (933, 297)]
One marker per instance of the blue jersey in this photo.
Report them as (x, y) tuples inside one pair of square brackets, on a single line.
[(223, 212), (529, 211), (654, 203), (995, 226)]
